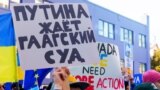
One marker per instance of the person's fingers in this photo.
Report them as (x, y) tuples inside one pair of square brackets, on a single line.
[(66, 70), (61, 73), (57, 78)]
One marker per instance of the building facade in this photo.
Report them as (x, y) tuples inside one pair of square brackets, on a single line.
[(110, 27)]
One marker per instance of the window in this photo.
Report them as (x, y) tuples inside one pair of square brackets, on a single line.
[(15, 1), (38, 1), (126, 35), (4, 3), (106, 29), (47, 1), (142, 40), (42, 1), (142, 68)]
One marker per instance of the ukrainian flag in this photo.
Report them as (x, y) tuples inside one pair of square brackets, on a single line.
[(8, 69), (20, 72)]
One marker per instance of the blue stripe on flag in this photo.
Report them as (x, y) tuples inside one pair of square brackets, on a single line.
[(7, 36)]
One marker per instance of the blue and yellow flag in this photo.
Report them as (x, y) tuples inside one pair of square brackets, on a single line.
[(10, 70), (20, 72), (7, 50)]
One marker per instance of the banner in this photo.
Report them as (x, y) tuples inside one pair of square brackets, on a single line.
[(106, 75), (54, 35), (128, 58), (7, 50)]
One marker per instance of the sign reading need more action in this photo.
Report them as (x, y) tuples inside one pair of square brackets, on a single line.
[(105, 75), (49, 35)]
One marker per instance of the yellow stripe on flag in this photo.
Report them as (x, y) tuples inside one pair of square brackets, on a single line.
[(7, 64), (20, 73)]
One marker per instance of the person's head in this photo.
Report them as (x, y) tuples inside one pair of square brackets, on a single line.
[(152, 76), (126, 83), (123, 71), (77, 85), (144, 86)]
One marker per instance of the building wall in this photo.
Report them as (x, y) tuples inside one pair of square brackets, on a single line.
[(3, 10), (140, 55)]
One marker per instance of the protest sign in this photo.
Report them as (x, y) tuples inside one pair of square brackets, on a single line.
[(138, 79), (106, 75), (51, 35)]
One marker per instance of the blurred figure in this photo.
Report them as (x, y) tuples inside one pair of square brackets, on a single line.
[(16, 86), (1, 87), (152, 76), (44, 88), (131, 81), (151, 81), (145, 86), (126, 78)]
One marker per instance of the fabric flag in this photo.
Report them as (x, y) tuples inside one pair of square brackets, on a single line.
[(7, 49), (20, 72), (34, 78), (10, 70)]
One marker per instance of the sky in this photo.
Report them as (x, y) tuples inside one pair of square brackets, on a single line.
[(137, 10)]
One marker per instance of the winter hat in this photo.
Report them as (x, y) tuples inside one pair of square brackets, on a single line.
[(151, 76), (144, 86), (74, 83)]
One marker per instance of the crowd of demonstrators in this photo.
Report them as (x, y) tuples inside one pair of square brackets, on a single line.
[(62, 80), (16, 86), (151, 81)]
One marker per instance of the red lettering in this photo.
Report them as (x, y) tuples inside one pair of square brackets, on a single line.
[(84, 78), (110, 79), (78, 77), (110, 83), (121, 83), (91, 79), (116, 84), (100, 83), (81, 78), (104, 83), (90, 88)]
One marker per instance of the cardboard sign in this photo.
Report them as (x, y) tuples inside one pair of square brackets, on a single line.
[(106, 75), (54, 35)]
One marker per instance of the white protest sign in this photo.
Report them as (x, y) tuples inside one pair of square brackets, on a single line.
[(57, 34), (103, 76)]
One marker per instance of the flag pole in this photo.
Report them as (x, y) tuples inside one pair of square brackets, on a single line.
[(16, 64)]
